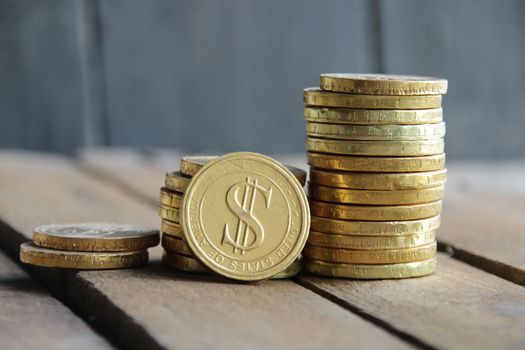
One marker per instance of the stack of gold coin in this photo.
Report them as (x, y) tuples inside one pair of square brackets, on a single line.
[(377, 172), (177, 253), (89, 246)]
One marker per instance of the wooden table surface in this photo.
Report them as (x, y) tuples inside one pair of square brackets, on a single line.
[(476, 299)]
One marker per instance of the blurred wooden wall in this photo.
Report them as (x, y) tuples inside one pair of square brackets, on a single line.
[(228, 75)]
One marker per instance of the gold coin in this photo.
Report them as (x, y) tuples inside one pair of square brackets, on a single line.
[(169, 213), (374, 197), (375, 228), (34, 255), (177, 181), (383, 84), (184, 263), (372, 257), (376, 164), (405, 270), (326, 240), (95, 237), (170, 198), (373, 116), (190, 165), (318, 97), (171, 228), (197, 162), (289, 272), (375, 213), (376, 148), (175, 245), (245, 216), (378, 132), (379, 181)]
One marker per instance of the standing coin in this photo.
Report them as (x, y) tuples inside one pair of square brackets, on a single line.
[(318, 97), (245, 216), (375, 213), (95, 237), (378, 132), (359, 271), (34, 255), (383, 84), (376, 164), (177, 181), (379, 181), (376, 148), (373, 116)]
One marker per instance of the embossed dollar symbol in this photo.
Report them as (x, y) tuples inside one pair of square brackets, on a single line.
[(250, 231)]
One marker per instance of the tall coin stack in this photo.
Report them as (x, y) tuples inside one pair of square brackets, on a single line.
[(377, 173), (178, 254)]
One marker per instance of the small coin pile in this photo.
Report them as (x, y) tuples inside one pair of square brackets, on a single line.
[(89, 246), (377, 172), (178, 254)]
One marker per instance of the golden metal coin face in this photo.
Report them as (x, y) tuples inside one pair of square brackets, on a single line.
[(361, 116), (175, 245), (379, 133), (374, 197), (169, 213), (177, 181), (387, 256), (95, 237), (245, 216), (358, 271), (376, 164), (376, 148), (170, 198), (383, 84), (374, 228), (34, 255), (318, 97), (379, 181), (183, 263), (320, 239), (376, 212), (171, 228), (190, 165)]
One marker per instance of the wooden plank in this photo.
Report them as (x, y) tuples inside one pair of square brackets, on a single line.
[(432, 311), (457, 305), (31, 319), (157, 308)]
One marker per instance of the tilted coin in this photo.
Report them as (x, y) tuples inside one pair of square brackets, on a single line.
[(190, 165), (171, 228), (376, 164), (318, 97), (361, 116), (183, 263), (375, 213), (175, 245), (177, 181), (170, 198), (169, 213), (375, 197), (370, 242), (35, 255), (383, 84), (359, 271), (245, 216), (198, 162), (95, 237), (376, 148), (374, 228), (388, 256), (379, 181), (377, 132)]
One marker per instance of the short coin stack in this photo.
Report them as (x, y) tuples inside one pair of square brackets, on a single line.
[(89, 246), (376, 151), (178, 254)]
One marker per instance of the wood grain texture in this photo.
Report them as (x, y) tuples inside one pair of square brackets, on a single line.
[(31, 319), (455, 306), (158, 308)]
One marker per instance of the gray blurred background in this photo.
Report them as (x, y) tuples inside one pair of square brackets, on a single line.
[(228, 75)]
